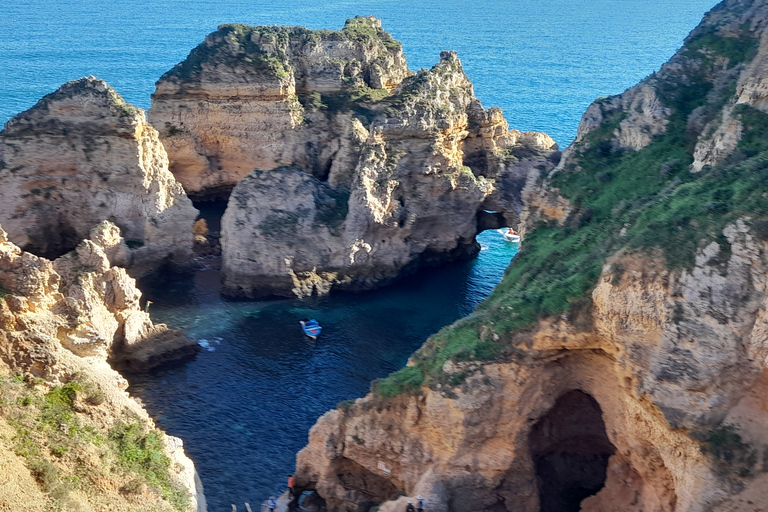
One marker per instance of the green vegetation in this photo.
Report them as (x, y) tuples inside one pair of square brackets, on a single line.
[(732, 454), (241, 44), (4, 293), (233, 44), (140, 451), (59, 442), (409, 378), (643, 201), (736, 48), (362, 29)]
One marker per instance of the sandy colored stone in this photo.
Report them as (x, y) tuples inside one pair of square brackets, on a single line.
[(432, 158), (81, 156), (233, 104)]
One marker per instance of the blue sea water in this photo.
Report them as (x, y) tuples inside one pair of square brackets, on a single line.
[(541, 61), (245, 404)]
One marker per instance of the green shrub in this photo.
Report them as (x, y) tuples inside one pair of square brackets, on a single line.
[(408, 379), (733, 455), (141, 451)]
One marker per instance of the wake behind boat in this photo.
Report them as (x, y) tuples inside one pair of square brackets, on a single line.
[(311, 328), (510, 235)]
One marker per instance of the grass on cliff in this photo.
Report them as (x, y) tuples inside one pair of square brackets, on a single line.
[(645, 201), (233, 44), (58, 441)]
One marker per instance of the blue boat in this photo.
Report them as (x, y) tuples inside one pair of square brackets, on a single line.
[(311, 328)]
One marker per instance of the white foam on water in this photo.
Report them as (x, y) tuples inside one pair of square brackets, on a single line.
[(206, 344)]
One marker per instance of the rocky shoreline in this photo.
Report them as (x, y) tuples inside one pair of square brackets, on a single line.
[(621, 363)]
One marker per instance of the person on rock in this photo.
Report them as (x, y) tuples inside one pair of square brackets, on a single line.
[(420, 503), (294, 503), (409, 507), (271, 504)]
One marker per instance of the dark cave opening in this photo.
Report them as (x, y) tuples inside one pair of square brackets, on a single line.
[(53, 238), (570, 451)]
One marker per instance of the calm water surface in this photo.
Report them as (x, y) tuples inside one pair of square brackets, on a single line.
[(244, 405), (543, 62)]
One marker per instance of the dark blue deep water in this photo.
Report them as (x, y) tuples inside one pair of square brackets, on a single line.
[(244, 405)]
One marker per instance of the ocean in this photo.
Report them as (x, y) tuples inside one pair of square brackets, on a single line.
[(244, 405)]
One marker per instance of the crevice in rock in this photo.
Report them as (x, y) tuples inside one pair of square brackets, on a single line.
[(570, 451), (208, 235), (219, 193)]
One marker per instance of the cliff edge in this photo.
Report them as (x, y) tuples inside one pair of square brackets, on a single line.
[(81, 156), (70, 435), (622, 362)]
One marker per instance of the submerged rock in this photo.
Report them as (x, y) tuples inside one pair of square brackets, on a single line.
[(81, 156)]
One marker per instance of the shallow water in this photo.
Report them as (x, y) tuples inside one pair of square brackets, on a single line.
[(245, 404)]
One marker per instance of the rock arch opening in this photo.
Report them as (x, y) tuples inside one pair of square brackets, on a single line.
[(570, 451)]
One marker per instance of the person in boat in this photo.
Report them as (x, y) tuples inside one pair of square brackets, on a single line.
[(409, 507), (511, 232)]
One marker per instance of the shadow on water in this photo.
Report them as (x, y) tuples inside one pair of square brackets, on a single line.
[(244, 405)]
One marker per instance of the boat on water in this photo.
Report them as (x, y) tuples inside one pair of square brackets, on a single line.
[(311, 328), (510, 235)]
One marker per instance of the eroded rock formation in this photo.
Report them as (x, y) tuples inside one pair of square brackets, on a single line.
[(82, 156), (430, 159), (622, 362), (245, 98), (364, 171), (59, 323)]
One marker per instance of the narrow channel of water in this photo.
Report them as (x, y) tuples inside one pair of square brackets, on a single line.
[(244, 405)]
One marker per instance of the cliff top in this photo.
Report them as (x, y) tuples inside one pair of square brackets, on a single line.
[(88, 103), (270, 49)]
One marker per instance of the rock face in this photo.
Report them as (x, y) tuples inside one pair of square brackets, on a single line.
[(622, 363), (364, 171), (236, 103), (82, 156), (430, 159), (59, 322)]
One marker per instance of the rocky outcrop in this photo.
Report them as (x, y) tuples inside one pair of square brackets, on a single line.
[(247, 98), (82, 156), (621, 364), (430, 159), (59, 323), (658, 365)]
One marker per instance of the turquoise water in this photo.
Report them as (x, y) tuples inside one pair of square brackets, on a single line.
[(245, 404), (543, 62)]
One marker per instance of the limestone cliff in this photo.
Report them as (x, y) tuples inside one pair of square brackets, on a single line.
[(245, 98), (73, 436), (82, 156), (430, 160), (622, 363)]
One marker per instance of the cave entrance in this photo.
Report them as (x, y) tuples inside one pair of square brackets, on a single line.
[(489, 219), (570, 452)]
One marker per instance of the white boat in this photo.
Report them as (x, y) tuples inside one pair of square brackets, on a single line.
[(509, 235)]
